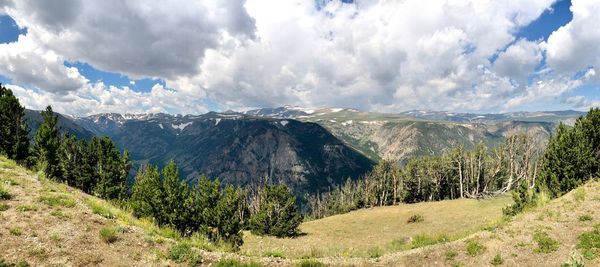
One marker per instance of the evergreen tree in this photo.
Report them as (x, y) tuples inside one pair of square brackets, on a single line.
[(176, 193), (14, 142), (572, 156), (47, 142), (112, 183), (86, 171), (148, 195), (278, 214), (228, 222), (70, 158)]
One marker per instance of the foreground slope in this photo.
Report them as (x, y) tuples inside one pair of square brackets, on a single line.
[(546, 236)]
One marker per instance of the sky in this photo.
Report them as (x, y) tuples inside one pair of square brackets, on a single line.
[(190, 57)]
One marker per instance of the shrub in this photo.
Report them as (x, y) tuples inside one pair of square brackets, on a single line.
[(545, 243), (278, 214), (475, 248), (310, 263), (180, 252), (416, 218), (14, 231), (375, 252), (497, 260), (585, 217), (451, 254), (589, 242), (4, 206), (4, 194), (235, 263), (60, 200), (109, 234)]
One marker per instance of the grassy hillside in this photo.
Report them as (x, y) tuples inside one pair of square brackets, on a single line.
[(563, 231), (45, 223), (373, 232)]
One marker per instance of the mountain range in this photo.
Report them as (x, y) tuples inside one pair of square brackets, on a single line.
[(310, 150)]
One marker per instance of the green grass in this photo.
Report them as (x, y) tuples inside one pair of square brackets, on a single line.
[(180, 252), (310, 263), (375, 252), (585, 217), (451, 254), (25, 208), (274, 254), (60, 215), (497, 260), (579, 194), (4, 194), (424, 240), (15, 231), (109, 234), (235, 263), (545, 243), (57, 201), (354, 234), (475, 248), (4, 206), (589, 243), (99, 208)]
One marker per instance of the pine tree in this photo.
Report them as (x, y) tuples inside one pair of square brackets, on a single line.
[(176, 193), (14, 142), (148, 194), (70, 158), (228, 222), (47, 142), (112, 183), (278, 214)]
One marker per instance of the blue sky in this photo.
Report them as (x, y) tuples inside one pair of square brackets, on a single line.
[(258, 63)]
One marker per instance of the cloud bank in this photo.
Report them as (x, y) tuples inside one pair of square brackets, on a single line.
[(373, 55)]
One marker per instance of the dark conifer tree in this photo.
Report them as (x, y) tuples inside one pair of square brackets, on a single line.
[(47, 142), (14, 142)]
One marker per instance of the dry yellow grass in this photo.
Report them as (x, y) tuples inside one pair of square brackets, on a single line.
[(373, 232)]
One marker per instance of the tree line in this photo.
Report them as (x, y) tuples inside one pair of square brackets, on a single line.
[(459, 173), (96, 166)]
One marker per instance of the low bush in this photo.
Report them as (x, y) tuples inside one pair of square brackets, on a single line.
[(585, 217), (545, 243), (451, 254), (375, 252), (15, 231), (109, 234), (180, 252), (4, 206), (4, 194), (416, 218), (475, 248), (497, 260)]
